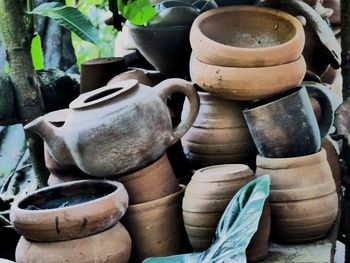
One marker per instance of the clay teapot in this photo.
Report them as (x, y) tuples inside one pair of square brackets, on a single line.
[(118, 128)]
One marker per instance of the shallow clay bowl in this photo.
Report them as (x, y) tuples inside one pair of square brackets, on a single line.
[(246, 36), (69, 210), (246, 84)]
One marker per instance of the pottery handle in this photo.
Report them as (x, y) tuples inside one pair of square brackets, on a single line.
[(324, 98), (171, 86)]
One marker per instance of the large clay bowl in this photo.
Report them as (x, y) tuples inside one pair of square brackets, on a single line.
[(246, 84), (110, 246), (150, 183), (69, 210), (167, 48), (156, 227), (246, 36)]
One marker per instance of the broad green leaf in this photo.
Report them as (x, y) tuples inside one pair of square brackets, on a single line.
[(237, 226), (138, 12), (7, 68), (37, 53), (71, 18)]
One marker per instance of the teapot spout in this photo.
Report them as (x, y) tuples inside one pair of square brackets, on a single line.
[(53, 137)]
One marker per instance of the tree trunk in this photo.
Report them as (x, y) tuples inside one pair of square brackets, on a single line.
[(345, 43), (17, 40)]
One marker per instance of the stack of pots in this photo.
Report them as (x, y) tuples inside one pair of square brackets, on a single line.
[(121, 131), (206, 197), (73, 222), (250, 53)]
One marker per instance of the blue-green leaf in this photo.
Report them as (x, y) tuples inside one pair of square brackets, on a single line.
[(70, 18), (37, 53), (237, 226), (138, 12)]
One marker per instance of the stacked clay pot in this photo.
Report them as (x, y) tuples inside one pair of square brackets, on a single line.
[(303, 198), (73, 222), (241, 53), (219, 135), (206, 197)]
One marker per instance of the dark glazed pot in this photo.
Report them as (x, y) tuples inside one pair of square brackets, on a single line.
[(69, 210), (96, 73), (167, 48), (285, 126)]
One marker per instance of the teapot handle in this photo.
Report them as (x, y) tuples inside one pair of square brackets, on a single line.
[(322, 95), (171, 86)]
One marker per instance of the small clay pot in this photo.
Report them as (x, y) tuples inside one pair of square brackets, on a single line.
[(206, 198), (156, 227), (110, 246), (167, 48), (97, 72), (150, 183), (269, 122), (69, 210), (219, 135), (304, 203), (246, 36), (233, 83)]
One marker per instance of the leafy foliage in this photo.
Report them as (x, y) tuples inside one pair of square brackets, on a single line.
[(237, 226), (37, 53), (138, 12), (71, 18)]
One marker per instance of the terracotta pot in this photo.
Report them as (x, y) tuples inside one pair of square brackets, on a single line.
[(206, 198), (269, 122), (127, 125), (69, 210), (219, 135), (304, 203), (333, 161), (110, 246), (335, 5), (150, 183), (167, 48), (234, 83), (97, 72), (246, 36), (156, 227)]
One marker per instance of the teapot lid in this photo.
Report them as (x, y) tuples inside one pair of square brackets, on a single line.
[(103, 94)]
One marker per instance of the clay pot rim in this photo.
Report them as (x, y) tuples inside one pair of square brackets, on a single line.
[(16, 204), (298, 36), (158, 202), (101, 61), (285, 163), (239, 171), (133, 27), (87, 99), (260, 104)]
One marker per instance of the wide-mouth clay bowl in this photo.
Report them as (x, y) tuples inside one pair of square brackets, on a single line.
[(247, 84), (246, 36), (69, 210)]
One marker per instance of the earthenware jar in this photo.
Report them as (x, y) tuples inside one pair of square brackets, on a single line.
[(303, 198), (333, 160), (110, 246), (150, 183), (246, 36), (156, 227), (236, 83), (69, 210), (96, 72), (284, 126), (206, 197), (127, 125), (219, 134)]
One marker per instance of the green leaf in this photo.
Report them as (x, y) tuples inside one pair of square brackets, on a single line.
[(71, 18), (237, 226), (37, 53), (138, 12)]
